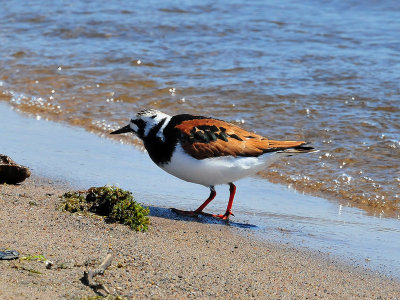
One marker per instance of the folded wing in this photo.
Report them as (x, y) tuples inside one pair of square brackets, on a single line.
[(205, 138)]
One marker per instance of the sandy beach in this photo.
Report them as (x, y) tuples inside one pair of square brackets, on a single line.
[(176, 258), (320, 225)]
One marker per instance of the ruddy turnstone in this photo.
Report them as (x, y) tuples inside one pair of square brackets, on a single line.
[(206, 151)]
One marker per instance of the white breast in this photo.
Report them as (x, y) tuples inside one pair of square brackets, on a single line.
[(216, 170)]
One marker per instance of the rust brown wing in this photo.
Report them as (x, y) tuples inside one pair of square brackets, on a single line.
[(205, 138)]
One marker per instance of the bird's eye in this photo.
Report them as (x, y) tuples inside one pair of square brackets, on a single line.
[(153, 116), (138, 123)]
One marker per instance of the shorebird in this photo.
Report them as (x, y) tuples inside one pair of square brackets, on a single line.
[(206, 151)]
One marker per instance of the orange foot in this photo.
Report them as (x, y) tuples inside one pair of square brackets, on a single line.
[(221, 217), (225, 216), (187, 213), (195, 213)]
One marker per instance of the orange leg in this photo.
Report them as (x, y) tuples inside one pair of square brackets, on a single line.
[(225, 216), (210, 198), (198, 210)]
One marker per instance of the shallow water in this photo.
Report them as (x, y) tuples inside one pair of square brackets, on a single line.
[(267, 210), (324, 72)]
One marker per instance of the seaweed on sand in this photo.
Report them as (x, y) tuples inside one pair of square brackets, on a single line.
[(112, 202)]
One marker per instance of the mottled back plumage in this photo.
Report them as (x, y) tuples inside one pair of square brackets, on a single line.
[(205, 138)]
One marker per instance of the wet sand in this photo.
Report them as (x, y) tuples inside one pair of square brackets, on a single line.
[(176, 258)]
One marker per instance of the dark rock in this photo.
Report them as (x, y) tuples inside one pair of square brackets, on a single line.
[(11, 172)]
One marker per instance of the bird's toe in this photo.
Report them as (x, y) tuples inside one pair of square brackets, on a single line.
[(187, 213)]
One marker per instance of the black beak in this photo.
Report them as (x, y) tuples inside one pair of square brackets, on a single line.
[(124, 129)]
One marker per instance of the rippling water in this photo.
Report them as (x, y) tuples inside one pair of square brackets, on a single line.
[(327, 72)]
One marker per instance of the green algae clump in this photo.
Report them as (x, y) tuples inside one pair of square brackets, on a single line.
[(74, 202), (112, 202)]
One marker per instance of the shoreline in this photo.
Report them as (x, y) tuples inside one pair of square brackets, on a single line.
[(375, 209), (175, 258), (274, 212)]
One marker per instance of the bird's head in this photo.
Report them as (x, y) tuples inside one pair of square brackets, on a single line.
[(142, 123)]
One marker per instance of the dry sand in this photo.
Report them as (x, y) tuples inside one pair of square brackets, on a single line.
[(176, 258)]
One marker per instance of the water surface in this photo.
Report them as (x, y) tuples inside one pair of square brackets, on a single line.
[(326, 72)]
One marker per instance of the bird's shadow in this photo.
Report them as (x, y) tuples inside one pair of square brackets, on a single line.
[(166, 213)]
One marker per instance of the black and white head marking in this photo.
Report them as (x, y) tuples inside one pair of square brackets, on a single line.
[(147, 119)]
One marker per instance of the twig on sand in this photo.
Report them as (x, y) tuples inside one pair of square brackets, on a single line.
[(88, 276)]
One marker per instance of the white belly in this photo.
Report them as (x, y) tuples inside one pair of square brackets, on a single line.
[(216, 170)]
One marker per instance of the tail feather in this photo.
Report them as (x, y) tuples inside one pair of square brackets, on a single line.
[(288, 147), (299, 149), (284, 144)]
